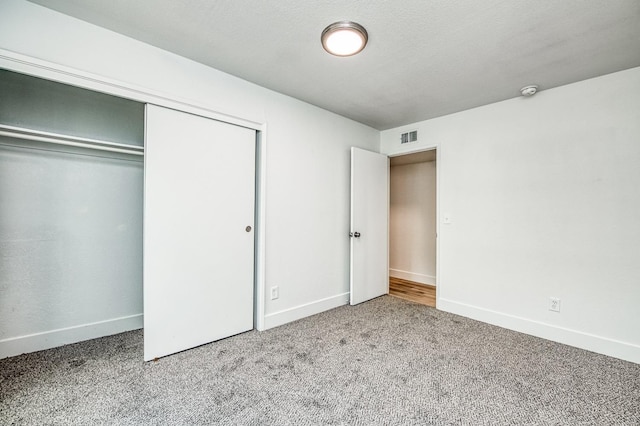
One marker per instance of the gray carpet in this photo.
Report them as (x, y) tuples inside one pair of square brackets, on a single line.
[(386, 361)]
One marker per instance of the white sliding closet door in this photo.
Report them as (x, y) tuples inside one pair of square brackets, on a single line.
[(198, 231)]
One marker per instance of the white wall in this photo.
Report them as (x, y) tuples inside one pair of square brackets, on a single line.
[(307, 154), (412, 222), (543, 195)]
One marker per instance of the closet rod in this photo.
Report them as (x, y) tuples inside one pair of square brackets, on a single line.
[(53, 138)]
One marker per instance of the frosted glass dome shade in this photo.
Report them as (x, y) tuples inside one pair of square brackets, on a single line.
[(344, 38)]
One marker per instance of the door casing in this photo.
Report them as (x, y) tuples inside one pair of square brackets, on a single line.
[(438, 174)]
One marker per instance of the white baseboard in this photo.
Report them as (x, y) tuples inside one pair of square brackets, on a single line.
[(298, 312), (412, 276), (50, 339), (590, 342)]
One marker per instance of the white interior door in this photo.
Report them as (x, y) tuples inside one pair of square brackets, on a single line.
[(369, 225), (198, 231)]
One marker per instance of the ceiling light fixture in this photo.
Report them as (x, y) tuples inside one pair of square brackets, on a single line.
[(344, 38)]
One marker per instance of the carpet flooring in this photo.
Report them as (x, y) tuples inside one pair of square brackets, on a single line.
[(387, 361)]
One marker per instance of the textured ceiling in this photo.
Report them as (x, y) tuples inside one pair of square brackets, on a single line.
[(424, 58)]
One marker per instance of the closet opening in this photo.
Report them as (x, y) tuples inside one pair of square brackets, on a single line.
[(73, 202), (412, 227), (71, 188)]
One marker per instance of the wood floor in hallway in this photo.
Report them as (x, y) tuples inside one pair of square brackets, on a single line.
[(415, 292)]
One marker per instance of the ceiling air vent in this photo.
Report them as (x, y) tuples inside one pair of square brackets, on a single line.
[(409, 137)]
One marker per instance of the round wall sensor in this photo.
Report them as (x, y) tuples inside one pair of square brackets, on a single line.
[(529, 90)]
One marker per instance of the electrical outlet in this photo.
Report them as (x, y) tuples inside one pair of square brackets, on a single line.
[(275, 292), (554, 304)]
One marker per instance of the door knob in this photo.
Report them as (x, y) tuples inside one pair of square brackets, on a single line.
[(248, 229), (356, 234)]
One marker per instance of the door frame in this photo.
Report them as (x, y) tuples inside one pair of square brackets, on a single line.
[(55, 72), (423, 148)]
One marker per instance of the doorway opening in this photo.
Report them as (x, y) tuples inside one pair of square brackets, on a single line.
[(412, 227)]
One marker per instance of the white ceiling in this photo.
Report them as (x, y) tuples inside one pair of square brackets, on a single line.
[(424, 58)]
